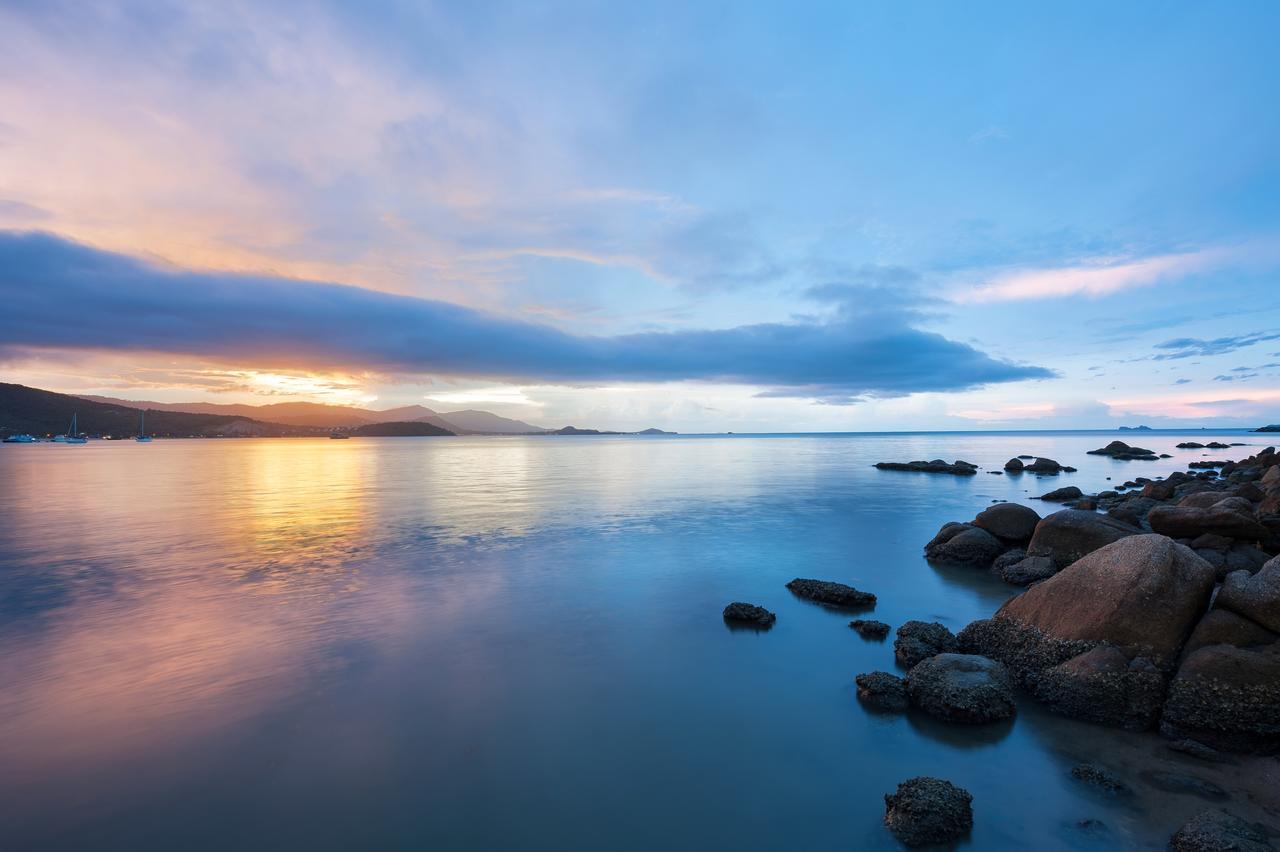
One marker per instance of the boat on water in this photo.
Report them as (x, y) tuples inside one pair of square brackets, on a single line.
[(143, 437), (73, 435), (20, 439), (338, 436)]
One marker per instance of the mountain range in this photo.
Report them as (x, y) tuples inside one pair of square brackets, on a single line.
[(320, 416)]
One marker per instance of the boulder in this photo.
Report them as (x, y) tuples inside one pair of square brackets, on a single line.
[(745, 613), (1216, 831), (1012, 556), (919, 640), (1008, 521), (962, 688), (1061, 495), (928, 810), (1044, 466), (971, 546), (1190, 521), (1013, 465), (1227, 697), (1142, 594), (831, 594), (1103, 685), (882, 691), (1028, 570), (1067, 535), (1202, 499), (870, 629), (1256, 596), (1223, 627)]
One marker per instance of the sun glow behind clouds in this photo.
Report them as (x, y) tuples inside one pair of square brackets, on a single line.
[(498, 395), (328, 389)]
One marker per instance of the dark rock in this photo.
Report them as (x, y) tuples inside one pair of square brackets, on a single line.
[(1008, 521), (1227, 697), (1252, 493), (1123, 452), (1067, 535), (1088, 504), (1044, 466), (919, 640), (831, 594), (1190, 445), (928, 810), (970, 546), (1029, 569), (1176, 782), (1199, 751), (870, 629), (935, 466), (1103, 779), (1132, 510), (1103, 685), (1189, 522), (883, 691), (1223, 627), (1217, 831), (746, 613), (962, 688), (1256, 597), (1217, 445), (1013, 465), (1059, 495), (1012, 556)]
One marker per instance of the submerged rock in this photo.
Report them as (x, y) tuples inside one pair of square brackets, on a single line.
[(831, 594), (1103, 685), (928, 810), (962, 688), (1176, 782), (1227, 697), (1216, 831), (745, 613), (1044, 466), (870, 629), (1103, 779), (919, 640), (883, 691)]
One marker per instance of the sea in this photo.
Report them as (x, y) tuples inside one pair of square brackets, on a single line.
[(517, 643)]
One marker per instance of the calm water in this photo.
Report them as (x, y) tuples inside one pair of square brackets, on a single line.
[(508, 643)]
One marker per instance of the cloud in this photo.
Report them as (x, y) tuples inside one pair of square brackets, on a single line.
[(1192, 347), (1183, 382), (63, 295), (1096, 277)]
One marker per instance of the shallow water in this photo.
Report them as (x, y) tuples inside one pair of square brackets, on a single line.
[(506, 643)]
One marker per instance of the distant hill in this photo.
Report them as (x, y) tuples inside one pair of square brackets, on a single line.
[(43, 413), (484, 422), (1274, 427), (652, 431), (394, 429), (321, 416)]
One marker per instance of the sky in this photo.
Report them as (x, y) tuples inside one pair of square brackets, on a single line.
[(701, 217)]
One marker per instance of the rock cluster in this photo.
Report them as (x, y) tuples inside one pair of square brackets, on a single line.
[(962, 688), (1121, 451), (958, 468), (882, 691)]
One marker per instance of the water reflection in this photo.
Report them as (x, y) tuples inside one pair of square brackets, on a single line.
[(479, 643)]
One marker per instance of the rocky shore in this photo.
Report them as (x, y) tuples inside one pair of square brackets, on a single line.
[(1153, 606)]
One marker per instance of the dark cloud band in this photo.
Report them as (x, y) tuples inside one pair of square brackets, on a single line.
[(60, 294)]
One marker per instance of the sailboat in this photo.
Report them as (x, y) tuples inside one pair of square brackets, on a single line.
[(143, 437), (73, 435)]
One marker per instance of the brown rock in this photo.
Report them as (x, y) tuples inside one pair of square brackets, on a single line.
[(1067, 535), (1008, 521), (1189, 522), (1256, 596)]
